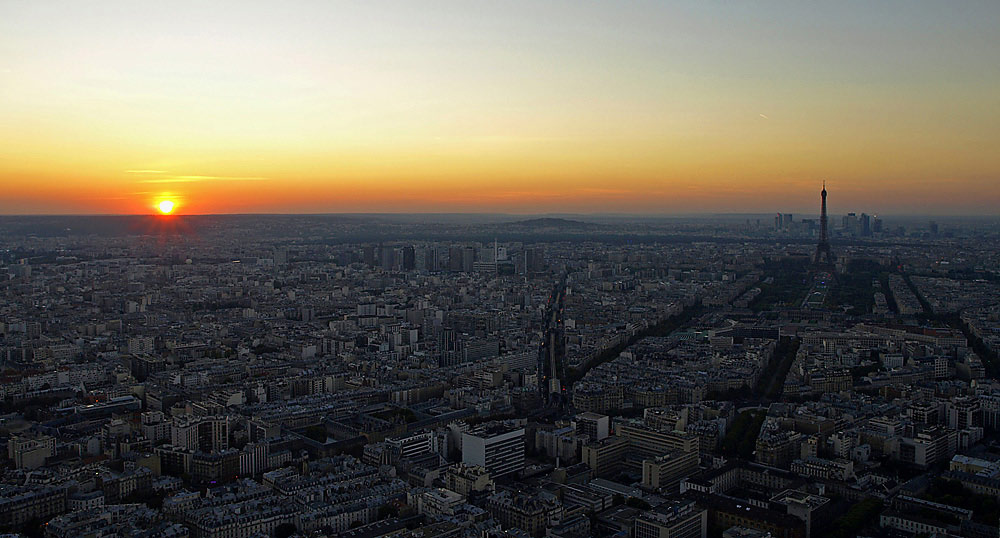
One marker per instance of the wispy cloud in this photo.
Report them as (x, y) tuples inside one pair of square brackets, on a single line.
[(598, 190), (145, 171), (224, 178), (194, 179), (168, 180)]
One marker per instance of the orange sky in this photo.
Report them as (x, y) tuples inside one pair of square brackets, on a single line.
[(523, 107)]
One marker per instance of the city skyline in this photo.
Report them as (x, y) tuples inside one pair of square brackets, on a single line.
[(525, 269), (478, 108), (279, 376)]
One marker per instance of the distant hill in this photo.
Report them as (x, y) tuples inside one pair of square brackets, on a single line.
[(551, 222)]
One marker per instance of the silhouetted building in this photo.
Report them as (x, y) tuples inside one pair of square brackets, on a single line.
[(823, 253)]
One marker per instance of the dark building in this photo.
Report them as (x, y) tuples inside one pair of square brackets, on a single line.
[(448, 354), (455, 259), (409, 258), (725, 512), (215, 467), (534, 260), (368, 255), (468, 259)]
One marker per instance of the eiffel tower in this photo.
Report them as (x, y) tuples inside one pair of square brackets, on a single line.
[(823, 254)]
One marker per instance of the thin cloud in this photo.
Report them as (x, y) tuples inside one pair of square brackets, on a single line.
[(195, 179), (168, 180), (765, 117), (598, 190), (224, 178), (145, 171)]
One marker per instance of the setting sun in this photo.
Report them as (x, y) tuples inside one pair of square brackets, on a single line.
[(166, 207), (678, 107)]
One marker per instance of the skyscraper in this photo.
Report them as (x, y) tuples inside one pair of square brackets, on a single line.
[(823, 253), (455, 259)]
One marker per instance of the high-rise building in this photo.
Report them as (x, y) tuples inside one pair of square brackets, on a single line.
[(368, 255), (253, 459), (280, 256), (488, 254), (138, 345), (388, 259), (455, 259), (496, 447), (448, 347), (932, 445), (424, 259), (851, 223), (534, 260), (206, 434), (468, 259), (664, 473), (652, 443), (672, 520), (605, 457), (409, 262), (593, 425), (964, 412), (409, 446)]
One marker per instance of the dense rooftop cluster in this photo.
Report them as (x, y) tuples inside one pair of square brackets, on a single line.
[(323, 378)]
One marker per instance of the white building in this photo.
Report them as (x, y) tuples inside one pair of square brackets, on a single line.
[(497, 448)]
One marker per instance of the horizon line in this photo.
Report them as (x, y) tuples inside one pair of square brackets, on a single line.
[(481, 213)]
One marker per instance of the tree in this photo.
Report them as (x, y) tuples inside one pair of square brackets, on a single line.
[(859, 516), (285, 530), (387, 510), (316, 433)]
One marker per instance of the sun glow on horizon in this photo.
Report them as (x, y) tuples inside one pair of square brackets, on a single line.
[(166, 207), (526, 107)]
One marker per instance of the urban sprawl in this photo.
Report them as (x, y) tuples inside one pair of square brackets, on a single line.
[(237, 377)]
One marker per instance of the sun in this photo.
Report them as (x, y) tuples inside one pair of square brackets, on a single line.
[(166, 207)]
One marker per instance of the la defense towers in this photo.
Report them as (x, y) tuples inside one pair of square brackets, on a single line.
[(823, 254)]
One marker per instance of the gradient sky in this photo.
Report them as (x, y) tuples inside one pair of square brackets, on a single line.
[(517, 106)]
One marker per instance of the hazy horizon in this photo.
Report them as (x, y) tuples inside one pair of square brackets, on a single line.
[(555, 215)]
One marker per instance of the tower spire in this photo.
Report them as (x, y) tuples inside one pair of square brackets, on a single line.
[(823, 253)]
